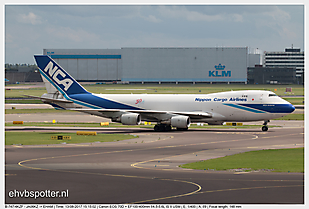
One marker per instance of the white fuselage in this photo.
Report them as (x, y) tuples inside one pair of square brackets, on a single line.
[(224, 106)]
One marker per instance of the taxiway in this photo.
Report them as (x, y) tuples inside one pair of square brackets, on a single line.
[(145, 170)]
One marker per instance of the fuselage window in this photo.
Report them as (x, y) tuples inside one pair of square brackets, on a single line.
[(272, 95)]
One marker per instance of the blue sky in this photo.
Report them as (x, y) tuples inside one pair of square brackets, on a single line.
[(31, 28)]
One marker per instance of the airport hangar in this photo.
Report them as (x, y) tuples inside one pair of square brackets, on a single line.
[(157, 65)]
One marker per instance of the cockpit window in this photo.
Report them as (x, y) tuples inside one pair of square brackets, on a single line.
[(272, 95)]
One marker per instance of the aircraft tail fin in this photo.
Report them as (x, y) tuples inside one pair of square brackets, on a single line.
[(57, 77), (49, 87)]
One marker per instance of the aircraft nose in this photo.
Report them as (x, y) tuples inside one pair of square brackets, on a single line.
[(290, 108)]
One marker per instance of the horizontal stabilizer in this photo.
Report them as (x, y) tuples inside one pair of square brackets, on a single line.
[(50, 99)]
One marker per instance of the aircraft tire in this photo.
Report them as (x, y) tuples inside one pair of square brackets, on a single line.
[(168, 128), (264, 128), (182, 129), (156, 128), (162, 128)]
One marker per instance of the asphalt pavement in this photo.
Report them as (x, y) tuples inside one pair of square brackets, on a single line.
[(146, 169)]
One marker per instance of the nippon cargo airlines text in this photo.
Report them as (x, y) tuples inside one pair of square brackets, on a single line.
[(232, 99), (126, 206)]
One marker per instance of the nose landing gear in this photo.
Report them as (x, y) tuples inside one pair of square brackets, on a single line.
[(265, 127)]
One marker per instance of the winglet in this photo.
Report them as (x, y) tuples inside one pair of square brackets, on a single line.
[(57, 76)]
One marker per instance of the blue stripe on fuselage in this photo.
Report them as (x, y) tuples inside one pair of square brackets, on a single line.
[(101, 102), (264, 108), (244, 108), (272, 108)]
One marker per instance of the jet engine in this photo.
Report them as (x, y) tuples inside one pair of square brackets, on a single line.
[(180, 121), (130, 119)]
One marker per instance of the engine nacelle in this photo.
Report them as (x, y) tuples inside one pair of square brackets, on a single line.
[(130, 119), (180, 121)]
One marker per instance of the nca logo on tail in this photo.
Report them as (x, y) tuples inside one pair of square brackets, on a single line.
[(54, 72), (220, 72)]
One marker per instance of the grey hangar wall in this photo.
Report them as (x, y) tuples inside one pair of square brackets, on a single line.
[(173, 64)]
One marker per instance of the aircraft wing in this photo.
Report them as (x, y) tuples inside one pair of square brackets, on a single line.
[(195, 114), (145, 113)]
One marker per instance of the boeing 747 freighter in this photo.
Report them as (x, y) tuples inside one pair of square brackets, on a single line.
[(167, 110)]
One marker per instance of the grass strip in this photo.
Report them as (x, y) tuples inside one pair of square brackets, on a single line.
[(23, 101), (291, 117), (295, 100), (32, 111), (275, 160), (38, 138)]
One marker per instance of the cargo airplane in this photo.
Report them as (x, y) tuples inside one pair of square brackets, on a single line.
[(167, 110)]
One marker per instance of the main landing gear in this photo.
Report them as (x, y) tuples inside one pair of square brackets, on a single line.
[(265, 127), (162, 127)]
